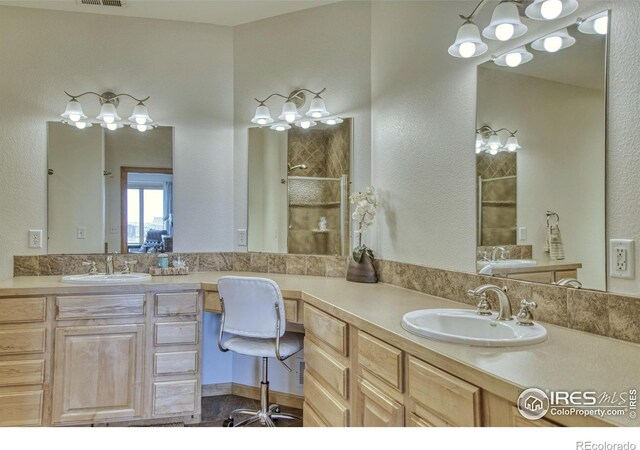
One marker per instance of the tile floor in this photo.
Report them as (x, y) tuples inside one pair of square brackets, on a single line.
[(216, 409)]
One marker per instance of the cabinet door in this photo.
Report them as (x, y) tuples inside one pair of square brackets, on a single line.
[(98, 373), (376, 409)]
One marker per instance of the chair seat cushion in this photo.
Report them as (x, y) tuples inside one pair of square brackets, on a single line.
[(290, 343)]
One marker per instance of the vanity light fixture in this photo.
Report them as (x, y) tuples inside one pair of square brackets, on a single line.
[(550, 9), (514, 58), (597, 24), (332, 121), (306, 124), (468, 42), (280, 127), (488, 140), (290, 114), (556, 41), (108, 117), (505, 23)]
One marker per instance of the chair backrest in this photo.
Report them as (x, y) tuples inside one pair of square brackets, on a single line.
[(249, 306)]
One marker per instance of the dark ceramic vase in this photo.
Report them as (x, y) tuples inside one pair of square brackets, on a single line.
[(363, 271)]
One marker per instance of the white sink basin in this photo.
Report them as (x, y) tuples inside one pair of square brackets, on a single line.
[(462, 326), (509, 263), (487, 267), (101, 278)]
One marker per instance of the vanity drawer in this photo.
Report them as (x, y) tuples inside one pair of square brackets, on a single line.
[(327, 329), (21, 408), (212, 304), (174, 333), (31, 340), (380, 359), (334, 373), (453, 400), (177, 303), (175, 397), (13, 310), (328, 408), (175, 363), (20, 373), (100, 306)]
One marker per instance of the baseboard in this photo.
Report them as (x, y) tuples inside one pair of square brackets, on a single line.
[(213, 390), (252, 392)]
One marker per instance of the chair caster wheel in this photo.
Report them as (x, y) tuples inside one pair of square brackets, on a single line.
[(277, 410), (227, 423)]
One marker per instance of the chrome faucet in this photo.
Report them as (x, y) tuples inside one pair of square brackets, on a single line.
[(505, 305), (495, 251), (109, 264)]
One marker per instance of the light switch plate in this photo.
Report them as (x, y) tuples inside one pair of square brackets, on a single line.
[(522, 233), (622, 258), (81, 233)]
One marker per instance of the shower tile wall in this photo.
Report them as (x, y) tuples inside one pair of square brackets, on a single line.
[(498, 211), (326, 155)]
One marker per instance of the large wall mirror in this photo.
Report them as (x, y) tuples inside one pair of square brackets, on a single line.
[(109, 191), (540, 150), (299, 189)]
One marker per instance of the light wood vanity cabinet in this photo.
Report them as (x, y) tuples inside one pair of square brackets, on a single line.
[(98, 373), (124, 357), (24, 360)]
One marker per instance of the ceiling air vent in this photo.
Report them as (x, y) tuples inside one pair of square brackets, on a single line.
[(116, 3)]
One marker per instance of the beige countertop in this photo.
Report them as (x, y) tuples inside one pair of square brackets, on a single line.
[(568, 360)]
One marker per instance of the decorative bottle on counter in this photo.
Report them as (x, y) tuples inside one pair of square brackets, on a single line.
[(163, 260)]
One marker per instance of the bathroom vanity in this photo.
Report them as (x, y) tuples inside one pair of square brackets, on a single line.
[(131, 353)]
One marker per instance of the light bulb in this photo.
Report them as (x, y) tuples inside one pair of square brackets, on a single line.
[(280, 128), (110, 125), (493, 151), (109, 120), (316, 115), (331, 122), (552, 44), (478, 150), (141, 120), (601, 25), (141, 127), (262, 121), (289, 117), (513, 59), (81, 125), (467, 49), (551, 9), (306, 124), (505, 31), (74, 117)]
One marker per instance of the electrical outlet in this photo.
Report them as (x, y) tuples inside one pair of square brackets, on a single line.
[(622, 258), (81, 233), (114, 229), (35, 238), (242, 237)]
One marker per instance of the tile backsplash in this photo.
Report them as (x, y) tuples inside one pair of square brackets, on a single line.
[(594, 312)]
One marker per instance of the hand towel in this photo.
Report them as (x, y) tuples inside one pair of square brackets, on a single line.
[(556, 248)]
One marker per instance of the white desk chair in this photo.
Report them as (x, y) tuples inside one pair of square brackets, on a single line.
[(253, 311)]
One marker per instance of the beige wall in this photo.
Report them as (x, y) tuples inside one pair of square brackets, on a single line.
[(75, 188), (561, 166), (127, 147), (186, 68)]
